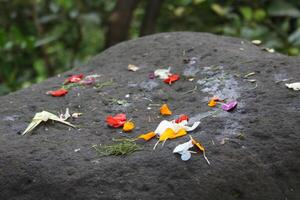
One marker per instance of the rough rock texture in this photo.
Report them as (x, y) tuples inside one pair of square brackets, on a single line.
[(254, 150)]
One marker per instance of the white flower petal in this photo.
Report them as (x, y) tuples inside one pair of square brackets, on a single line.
[(183, 147), (163, 125), (162, 73), (186, 156), (294, 86)]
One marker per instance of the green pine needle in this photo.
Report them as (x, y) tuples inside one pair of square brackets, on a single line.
[(119, 148)]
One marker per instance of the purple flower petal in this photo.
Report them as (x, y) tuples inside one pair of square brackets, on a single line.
[(229, 106), (151, 75), (88, 81)]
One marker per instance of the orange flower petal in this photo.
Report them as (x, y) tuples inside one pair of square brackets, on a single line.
[(128, 126), (198, 145), (164, 110), (212, 103), (147, 136), (201, 147)]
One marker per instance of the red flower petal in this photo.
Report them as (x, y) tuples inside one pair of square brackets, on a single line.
[(181, 118), (74, 79), (172, 78), (58, 93), (116, 121)]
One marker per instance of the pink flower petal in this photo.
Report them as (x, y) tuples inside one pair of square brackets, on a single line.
[(229, 106)]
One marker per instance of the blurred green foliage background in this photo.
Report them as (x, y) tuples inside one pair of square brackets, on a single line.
[(40, 38)]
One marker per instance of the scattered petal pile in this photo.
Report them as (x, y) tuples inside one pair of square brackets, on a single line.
[(73, 81), (171, 130)]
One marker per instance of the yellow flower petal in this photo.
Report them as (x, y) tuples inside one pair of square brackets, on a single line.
[(201, 147), (147, 136), (164, 110), (212, 103), (128, 126), (198, 145), (180, 133), (167, 134)]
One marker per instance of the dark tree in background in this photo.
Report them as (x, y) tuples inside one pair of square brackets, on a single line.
[(121, 17), (119, 21), (151, 15)]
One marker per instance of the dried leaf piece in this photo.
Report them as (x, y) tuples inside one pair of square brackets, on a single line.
[(249, 74), (44, 116), (270, 50), (294, 86), (172, 78), (58, 93), (229, 106), (128, 126), (116, 121), (76, 115), (201, 148), (182, 118), (74, 78), (132, 68), (256, 42), (147, 136), (162, 73), (164, 110)]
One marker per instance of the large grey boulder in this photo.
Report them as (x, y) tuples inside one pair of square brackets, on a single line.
[(254, 150)]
